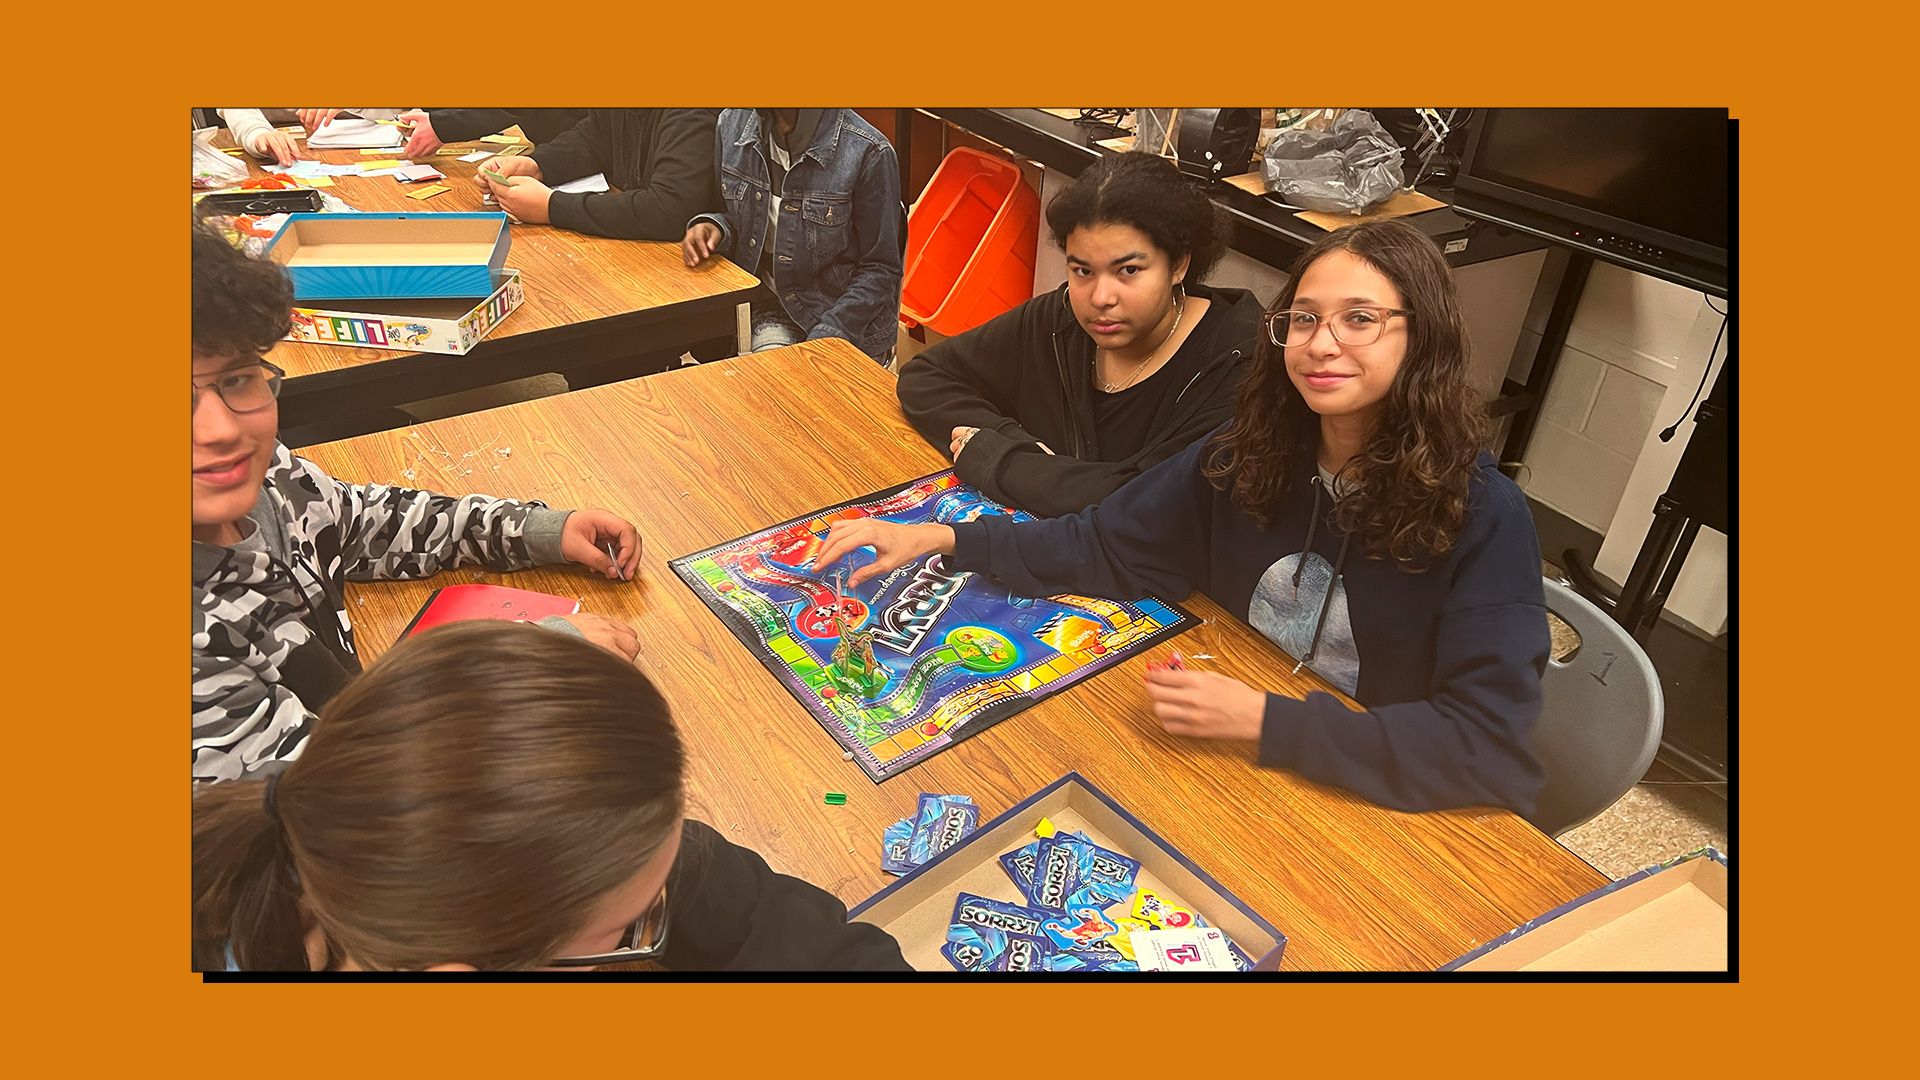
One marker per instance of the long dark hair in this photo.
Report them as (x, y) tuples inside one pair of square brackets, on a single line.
[(1151, 194), (469, 799), (1406, 493)]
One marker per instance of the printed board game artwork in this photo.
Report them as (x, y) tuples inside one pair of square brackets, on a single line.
[(905, 665)]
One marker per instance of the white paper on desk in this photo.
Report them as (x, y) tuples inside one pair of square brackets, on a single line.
[(345, 133), (308, 168), (1198, 948), (478, 155), (586, 185)]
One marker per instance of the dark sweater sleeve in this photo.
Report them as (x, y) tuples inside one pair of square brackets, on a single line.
[(679, 184), (1053, 484), (576, 152), (1151, 536), (728, 911), (873, 293), (1466, 743), (462, 125), (972, 380)]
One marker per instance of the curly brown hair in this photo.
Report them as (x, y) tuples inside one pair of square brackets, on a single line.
[(1151, 194), (241, 305), (1404, 496)]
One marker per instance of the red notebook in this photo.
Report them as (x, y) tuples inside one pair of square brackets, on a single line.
[(458, 603)]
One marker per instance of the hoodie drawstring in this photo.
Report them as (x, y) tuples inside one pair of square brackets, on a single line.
[(1339, 565), (1313, 520)]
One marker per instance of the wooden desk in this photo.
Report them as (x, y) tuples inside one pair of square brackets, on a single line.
[(591, 302), (699, 456)]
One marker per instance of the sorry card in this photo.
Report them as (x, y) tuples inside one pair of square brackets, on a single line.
[(910, 662)]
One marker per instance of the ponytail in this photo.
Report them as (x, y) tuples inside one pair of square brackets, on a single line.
[(246, 907)]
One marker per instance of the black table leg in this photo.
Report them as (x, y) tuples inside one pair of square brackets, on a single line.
[(1566, 300)]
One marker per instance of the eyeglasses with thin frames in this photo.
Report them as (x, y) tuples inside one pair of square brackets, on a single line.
[(646, 939), (244, 389), (1354, 326)]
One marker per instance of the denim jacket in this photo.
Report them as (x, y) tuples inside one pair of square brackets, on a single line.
[(836, 258)]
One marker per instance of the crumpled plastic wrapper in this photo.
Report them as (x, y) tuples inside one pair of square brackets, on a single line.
[(1349, 168), (211, 168)]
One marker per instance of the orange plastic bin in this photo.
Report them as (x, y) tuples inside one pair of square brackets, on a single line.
[(970, 244)]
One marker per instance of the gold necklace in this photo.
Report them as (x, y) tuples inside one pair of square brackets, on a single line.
[(1180, 308)]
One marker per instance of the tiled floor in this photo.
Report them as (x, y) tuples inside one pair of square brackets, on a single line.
[(1664, 816), (1659, 819)]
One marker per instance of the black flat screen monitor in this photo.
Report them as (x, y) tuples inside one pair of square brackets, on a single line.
[(1640, 183)]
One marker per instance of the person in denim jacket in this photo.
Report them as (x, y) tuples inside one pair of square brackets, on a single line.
[(812, 207)]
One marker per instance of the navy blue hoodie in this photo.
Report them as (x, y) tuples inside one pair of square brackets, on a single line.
[(1447, 661)]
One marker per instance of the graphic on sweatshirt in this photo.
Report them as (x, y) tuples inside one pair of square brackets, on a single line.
[(248, 605), (1287, 615)]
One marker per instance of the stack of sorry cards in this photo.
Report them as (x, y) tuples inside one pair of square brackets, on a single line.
[(941, 822), (1070, 883)]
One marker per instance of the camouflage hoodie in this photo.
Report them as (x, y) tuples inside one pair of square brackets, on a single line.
[(248, 629)]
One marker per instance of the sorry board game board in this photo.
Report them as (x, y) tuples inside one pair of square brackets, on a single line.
[(905, 665)]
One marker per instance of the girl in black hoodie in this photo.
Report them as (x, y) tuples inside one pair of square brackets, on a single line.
[(493, 796), (1054, 405)]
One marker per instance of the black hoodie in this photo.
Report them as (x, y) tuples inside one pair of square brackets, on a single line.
[(1025, 378), (661, 160), (728, 911)]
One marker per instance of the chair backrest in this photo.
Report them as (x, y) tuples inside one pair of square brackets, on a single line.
[(1600, 723)]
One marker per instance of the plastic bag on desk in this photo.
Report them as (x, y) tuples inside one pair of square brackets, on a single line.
[(1349, 168), (211, 168), (1153, 131)]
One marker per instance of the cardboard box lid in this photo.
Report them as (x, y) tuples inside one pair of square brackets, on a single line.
[(381, 255), (1671, 917), (436, 308)]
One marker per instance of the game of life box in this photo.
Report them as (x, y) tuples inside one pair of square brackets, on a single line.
[(391, 256), (437, 326), (917, 909)]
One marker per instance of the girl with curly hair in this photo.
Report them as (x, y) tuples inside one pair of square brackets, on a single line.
[(1349, 512)]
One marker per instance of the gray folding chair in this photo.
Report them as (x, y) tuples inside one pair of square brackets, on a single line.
[(1600, 724)]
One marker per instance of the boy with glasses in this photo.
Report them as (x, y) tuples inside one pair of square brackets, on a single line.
[(275, 539)]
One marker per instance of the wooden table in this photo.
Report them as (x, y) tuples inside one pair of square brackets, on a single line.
[(699, 456), (592, 305)]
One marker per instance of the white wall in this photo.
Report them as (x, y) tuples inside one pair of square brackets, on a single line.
[(1700, 593), (1633, 357)]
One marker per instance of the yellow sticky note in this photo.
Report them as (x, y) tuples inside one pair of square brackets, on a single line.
[(389, 151), (506, 139), (314, 181), (232, 150), (429, 192)]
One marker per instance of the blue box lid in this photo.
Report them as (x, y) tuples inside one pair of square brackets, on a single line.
[(382, 280)]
